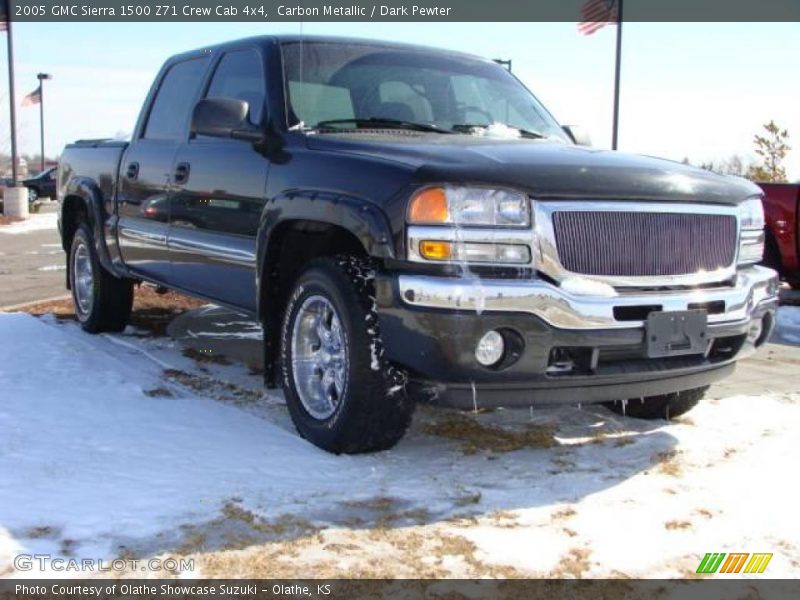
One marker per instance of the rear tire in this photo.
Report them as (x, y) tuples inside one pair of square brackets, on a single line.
[(102, 302), (342, 394), (665, 406)]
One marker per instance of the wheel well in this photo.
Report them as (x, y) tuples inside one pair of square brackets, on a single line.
[(73, 213), (291, 246), (772, 253)]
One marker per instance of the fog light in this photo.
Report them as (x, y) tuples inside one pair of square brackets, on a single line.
[(756, 328), (490, 349)]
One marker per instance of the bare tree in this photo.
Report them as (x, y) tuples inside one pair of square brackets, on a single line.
[(772, 147), (734, 165)]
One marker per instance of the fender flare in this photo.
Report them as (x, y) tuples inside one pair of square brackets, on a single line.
[(362, 218), (91, 198), (365, 220)]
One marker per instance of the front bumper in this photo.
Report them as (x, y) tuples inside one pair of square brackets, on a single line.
[(431, 325)]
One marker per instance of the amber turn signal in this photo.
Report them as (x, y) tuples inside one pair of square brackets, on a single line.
[(436, 250), (429, 206)]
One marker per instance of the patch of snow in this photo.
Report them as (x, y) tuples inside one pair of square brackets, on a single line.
[(497, 131), (52, 268), (35, 222)]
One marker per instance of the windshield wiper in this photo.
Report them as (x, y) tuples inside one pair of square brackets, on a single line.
[(379, 122), (468, 127)]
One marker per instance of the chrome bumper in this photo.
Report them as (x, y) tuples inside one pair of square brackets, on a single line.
[(754, 286)]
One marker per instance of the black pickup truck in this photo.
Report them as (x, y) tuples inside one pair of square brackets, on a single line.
[(412, 223)]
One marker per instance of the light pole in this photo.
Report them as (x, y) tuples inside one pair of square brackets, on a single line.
[(42, 77)]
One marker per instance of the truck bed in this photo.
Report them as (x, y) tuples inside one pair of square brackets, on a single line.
[(96, 160)]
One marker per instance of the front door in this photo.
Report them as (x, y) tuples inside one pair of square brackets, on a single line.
[(218, 195), (145, 170)]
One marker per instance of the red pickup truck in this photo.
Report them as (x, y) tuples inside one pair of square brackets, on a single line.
[(782, 243)]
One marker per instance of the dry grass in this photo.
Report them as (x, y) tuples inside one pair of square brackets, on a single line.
[(36, 533), (383, 512), (704, 513), (152, 311), (504, 519), (343, 554), (569, 532), (677, 525), (469, 499), (159, 392), (475, 437), (574, 564), (625, 440), (213, 388), (668, 463), (564, 513), (276, 528), (206, 356)]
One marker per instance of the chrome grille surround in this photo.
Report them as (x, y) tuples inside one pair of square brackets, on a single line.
[(562, 226)]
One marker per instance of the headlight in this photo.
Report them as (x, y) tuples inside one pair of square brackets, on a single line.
[(469, 206), (751, 236)]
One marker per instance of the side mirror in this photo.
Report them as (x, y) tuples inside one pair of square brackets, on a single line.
[(578, 135), (225, 118)]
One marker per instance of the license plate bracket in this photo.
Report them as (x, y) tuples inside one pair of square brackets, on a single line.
[(676, 333)]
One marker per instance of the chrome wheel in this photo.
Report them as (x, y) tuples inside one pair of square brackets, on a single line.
[(319, 357), (33, 195), (82, 279)]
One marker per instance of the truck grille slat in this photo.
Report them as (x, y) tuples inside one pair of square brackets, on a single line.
[(628, 244)]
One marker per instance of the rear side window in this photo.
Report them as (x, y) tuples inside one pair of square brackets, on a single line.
[(174, 100), (240, 75)]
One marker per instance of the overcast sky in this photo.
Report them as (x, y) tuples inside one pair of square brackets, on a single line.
[(694, 90)]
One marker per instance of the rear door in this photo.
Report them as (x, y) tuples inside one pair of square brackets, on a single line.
[(218, 194), (145, 171)]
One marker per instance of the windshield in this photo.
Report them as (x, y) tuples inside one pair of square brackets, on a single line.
[(328, 82)]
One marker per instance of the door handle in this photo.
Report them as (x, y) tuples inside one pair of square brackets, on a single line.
[(181, 174), (132, 172)]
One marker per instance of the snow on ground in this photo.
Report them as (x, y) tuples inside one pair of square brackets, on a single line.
[(119, 446), (35, 222)]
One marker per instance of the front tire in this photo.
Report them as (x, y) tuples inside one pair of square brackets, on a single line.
[(342, 394), (665, 406), (102, 302)]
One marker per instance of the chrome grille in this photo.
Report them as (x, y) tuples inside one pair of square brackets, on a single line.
[(640, 244)]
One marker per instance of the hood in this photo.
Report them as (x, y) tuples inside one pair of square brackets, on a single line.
[(543, 168)]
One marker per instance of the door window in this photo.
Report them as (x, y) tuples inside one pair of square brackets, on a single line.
[(240, 75), (174, 100)]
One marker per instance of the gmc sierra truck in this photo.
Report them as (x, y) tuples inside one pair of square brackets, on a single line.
[(410, 223)]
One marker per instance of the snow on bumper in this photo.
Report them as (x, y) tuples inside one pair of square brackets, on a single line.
[(753, 287)]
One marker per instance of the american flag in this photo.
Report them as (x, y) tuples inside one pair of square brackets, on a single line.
[(35, 97), (596, 14)]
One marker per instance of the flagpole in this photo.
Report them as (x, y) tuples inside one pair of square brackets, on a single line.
[(617, 68), (11, 97), (42, 77)]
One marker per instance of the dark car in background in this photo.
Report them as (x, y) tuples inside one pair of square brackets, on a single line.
[(41, 185)]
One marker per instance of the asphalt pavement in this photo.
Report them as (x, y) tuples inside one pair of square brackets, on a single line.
[(32, 267)]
